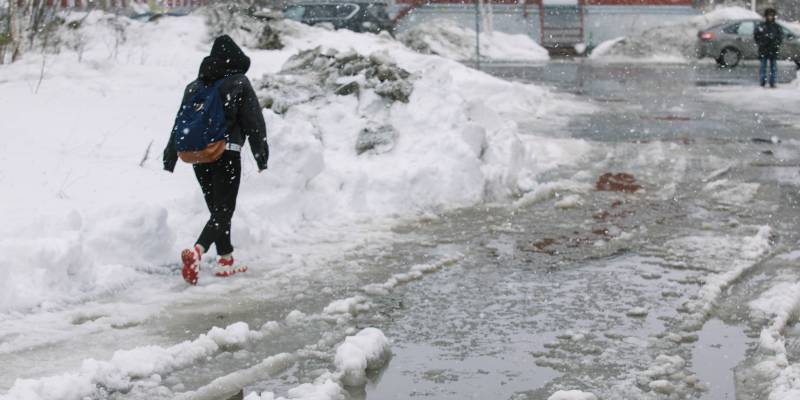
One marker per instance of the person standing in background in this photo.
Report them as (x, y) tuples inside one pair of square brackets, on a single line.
[(769, 38)]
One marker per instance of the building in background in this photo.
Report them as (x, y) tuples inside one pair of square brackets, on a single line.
[(788, 9)]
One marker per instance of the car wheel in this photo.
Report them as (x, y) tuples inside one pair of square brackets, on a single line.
[(729, 57)]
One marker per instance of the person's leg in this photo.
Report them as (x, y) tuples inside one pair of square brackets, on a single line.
[(762, 70), (773, 70), (225, 200), (225, 181), (191, 257), (205, 176)]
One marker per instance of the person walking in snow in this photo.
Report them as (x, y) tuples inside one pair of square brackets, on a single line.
[(769, 37), (218, 112)]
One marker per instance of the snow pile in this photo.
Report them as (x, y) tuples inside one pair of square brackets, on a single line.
[(129, 368), (314, 73), (448, 39), (365, 351), (324, 388), (349, 306), (552, 189), (107, 218), (782, 302), (83, 218), (667, 43), (730, 257), (572, 395)]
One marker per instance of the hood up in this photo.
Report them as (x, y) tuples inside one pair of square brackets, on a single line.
[(226, 59)]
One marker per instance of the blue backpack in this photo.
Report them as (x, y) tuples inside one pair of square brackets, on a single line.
[(199, 131)]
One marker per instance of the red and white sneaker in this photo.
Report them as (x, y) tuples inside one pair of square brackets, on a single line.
[(191, 264), (228, 267)]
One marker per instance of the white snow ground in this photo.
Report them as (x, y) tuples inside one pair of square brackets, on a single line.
[(672, 43), (97, 214), (785, 99), (91, 216)]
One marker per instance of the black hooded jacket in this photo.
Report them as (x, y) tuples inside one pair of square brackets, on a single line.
[(243, 116), (769, 37)]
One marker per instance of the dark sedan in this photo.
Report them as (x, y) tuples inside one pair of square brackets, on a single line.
[(355, 16), (733, 41)]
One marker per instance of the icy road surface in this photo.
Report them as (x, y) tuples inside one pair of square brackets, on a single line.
[(664, 265)]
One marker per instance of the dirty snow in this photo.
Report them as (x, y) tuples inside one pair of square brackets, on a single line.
[(367, 350), (127, 368), (448, 39), (572, 395), (781, 303)]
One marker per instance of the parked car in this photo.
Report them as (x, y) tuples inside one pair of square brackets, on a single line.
[(352, 15), (152, 16), (733, 41)]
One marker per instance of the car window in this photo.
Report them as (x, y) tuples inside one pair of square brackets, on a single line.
[(344, 10), (746, 28), (787, 33), (732, 29), (378, 11), (294, 12), (321, 11)]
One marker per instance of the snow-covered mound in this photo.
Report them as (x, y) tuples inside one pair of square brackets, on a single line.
[(365, 351), (368, 350), (447, 39), (96, 379), (89, 212), (668, 43), (572, 395)]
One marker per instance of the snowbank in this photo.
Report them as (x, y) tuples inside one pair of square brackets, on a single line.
[(364, 351), (127, 368), (572, 395), (673, 43), (448, 39), (90, 212), (733, 256), (782, 303), (368, 350)]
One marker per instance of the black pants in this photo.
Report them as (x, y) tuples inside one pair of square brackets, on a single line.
[(220, 184)]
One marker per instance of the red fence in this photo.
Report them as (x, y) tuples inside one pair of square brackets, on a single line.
[(539, 2)]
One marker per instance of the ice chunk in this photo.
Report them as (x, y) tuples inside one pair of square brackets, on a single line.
[(352, 306), (295, 317), (234, 335), (572, 395), (571, 201), (638, 312), (367, 350), (662, 386)]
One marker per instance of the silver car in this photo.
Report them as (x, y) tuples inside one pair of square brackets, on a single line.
[(733, 41)]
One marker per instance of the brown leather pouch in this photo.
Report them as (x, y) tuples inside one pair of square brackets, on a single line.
[(208, 155)]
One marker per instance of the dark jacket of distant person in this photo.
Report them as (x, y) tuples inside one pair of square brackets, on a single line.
[(769, 37)]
